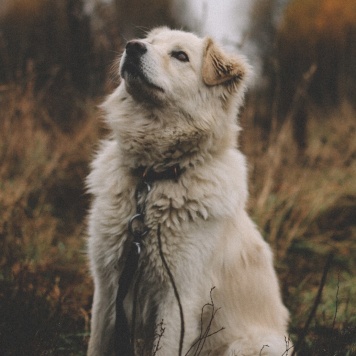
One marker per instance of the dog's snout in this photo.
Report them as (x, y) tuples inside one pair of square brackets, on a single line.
[(135, 48)]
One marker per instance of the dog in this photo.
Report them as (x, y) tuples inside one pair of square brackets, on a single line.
[(204, 283)]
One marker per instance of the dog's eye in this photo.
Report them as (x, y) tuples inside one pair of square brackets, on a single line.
[(180, 55)]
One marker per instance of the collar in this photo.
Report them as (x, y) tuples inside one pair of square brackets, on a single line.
[(149, 175)]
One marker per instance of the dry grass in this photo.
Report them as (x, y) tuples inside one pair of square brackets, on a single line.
[(304, 205), (291, 190), (44, 290), (41, 165)]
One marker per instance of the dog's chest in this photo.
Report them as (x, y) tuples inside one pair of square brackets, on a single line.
[(180, 229)]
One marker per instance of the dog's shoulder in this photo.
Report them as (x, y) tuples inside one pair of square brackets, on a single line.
[(228, 174)]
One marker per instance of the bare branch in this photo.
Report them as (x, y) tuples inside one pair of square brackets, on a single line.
[(199, 343), (315, 305)]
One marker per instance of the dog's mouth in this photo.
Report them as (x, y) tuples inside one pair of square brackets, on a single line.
[(132, 73)]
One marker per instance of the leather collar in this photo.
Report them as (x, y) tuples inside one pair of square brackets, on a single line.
[(149, 175)]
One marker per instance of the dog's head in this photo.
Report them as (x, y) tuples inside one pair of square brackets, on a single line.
[(171, 66), (178, 99)]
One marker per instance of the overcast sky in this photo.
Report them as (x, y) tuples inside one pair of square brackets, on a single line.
[(225, 20)]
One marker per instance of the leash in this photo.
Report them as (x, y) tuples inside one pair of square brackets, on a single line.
[(124, 341), (175, 290)]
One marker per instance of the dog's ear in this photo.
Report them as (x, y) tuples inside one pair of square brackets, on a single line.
[(220, 68)]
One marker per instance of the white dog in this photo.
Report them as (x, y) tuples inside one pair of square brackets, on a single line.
[(204, 275)]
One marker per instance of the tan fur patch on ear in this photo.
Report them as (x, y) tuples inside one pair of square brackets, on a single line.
[(218, 67)]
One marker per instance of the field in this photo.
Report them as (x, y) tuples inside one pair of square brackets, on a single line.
[(304, 203), (298, 134)]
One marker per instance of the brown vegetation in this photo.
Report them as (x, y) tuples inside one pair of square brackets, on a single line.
[(323, 33), (316, 39), (43, 284)]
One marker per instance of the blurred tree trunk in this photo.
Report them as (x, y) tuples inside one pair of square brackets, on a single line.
[(312, 33), (138, 16), (80, 44)]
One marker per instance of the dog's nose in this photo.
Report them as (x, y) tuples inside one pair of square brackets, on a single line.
[(135, 48)]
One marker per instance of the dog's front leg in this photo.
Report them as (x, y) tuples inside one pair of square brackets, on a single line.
[(103, 319)]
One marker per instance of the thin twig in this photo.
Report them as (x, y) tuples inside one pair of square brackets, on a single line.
[(263, 348), (287, 341), (158, 337), (199, 343), (337, 300), (206, 334)]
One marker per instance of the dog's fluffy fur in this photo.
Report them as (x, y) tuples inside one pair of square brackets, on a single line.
[(178, 104)]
